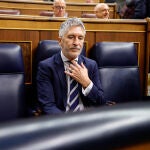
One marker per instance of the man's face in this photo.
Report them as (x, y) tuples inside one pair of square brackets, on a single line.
[(72, 42), (103, 12), (59, 9)]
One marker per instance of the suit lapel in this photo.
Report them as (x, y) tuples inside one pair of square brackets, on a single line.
[(61, 76), (80, 60)]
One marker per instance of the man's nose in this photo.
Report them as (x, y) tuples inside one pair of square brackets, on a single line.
[(107, 11), (76, 41)]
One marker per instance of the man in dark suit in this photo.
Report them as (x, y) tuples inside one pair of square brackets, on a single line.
[(53, 78), (134, 9)]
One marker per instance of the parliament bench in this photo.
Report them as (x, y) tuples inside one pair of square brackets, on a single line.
[(35, 7)]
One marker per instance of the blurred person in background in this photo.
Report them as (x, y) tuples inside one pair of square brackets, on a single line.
[(59, 8), (120, 4), (102, 11), (133, 9)]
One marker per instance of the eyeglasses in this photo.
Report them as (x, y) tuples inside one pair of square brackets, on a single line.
[(60, 7)]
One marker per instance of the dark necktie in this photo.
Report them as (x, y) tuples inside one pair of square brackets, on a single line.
[(74, 96), (73, 102)]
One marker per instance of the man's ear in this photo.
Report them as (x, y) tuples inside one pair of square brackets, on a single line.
[(59, 40)]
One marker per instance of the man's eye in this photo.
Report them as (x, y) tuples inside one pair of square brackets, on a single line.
[(70, 37), (81, 38)]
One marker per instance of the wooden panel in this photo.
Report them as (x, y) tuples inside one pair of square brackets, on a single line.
[(83, 1), (27, 58), (28, 40), (33, 29), (34, 7)]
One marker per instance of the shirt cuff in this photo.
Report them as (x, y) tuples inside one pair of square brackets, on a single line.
[(87, 90)]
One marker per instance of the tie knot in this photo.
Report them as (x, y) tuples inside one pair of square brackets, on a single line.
[(70, 62)]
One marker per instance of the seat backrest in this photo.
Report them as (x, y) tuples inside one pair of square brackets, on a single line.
[(88, 15), (120, 127), (12, 100), (10, 11), (47, 48), (119, 71), (46, 13)]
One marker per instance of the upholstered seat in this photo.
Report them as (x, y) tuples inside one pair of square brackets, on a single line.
[(10, 11), (119, 71), (46, 13), (47, 48), (88, 15), (12, 91)]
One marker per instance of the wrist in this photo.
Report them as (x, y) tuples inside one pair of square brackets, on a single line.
[(86, 84)]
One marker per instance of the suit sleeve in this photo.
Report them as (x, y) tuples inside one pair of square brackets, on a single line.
[(95, 96), (140, 9)]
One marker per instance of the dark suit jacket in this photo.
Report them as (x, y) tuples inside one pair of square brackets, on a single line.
[(132, 9), (52, 84)]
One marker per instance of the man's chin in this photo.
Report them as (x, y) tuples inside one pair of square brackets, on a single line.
[(74, 55)]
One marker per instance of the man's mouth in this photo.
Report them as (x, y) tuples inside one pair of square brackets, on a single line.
[(75, 48)]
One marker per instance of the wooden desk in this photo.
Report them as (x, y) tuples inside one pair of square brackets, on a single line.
[(83, 1), (29, 30), (35, 7), (79, 1)]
